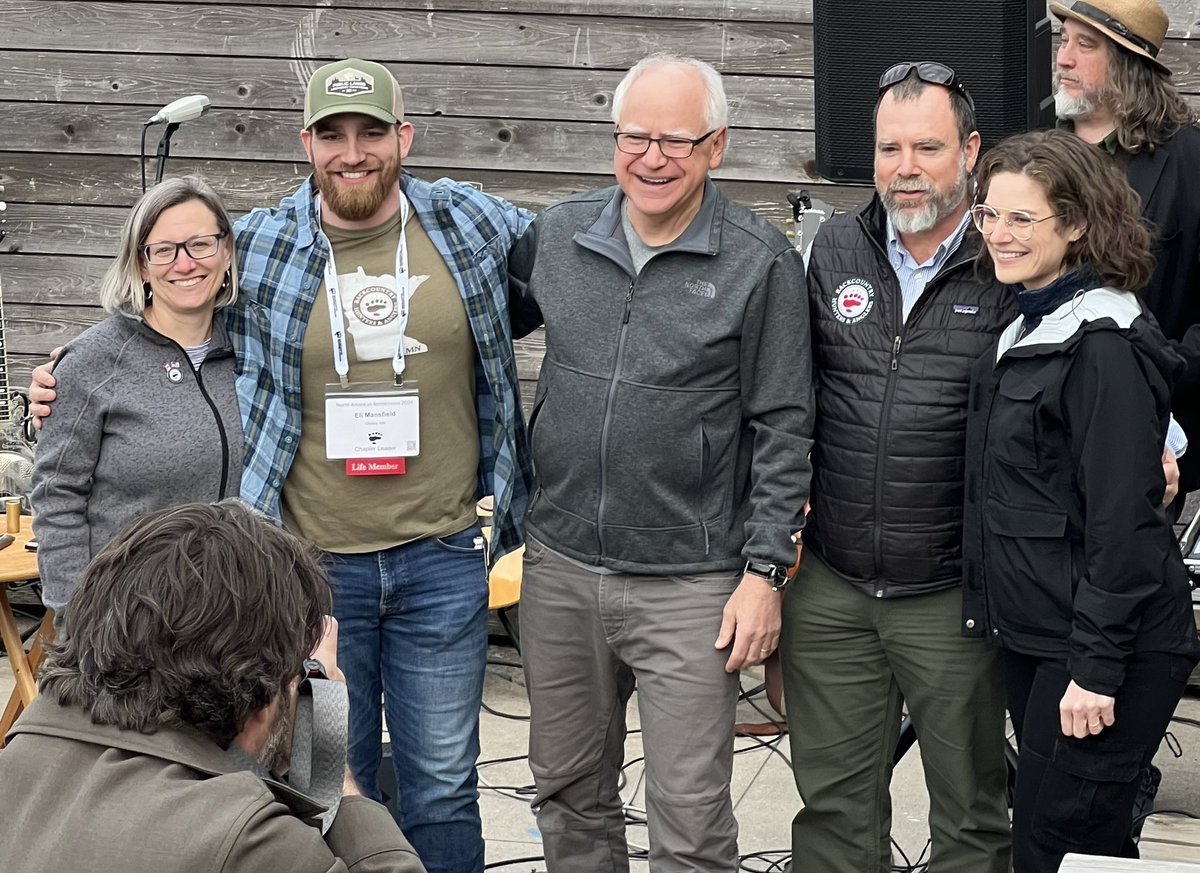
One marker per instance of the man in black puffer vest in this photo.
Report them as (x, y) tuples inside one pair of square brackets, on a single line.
[(875, 618)]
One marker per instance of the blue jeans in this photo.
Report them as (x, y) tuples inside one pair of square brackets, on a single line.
[(413, 629)]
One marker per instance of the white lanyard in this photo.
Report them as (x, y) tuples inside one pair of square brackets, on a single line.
[(337, 321)]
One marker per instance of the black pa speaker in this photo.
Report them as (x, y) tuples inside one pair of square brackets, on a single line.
[(1000, 50)]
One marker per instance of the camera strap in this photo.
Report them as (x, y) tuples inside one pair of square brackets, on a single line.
[(318, 763), (317, 769)]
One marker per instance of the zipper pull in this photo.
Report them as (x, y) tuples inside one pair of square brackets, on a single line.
[(895, 352), (628, 301)]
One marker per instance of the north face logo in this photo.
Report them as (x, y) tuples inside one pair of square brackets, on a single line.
[(701, 288)]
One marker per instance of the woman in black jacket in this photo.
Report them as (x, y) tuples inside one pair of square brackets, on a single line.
[(1066, 538)]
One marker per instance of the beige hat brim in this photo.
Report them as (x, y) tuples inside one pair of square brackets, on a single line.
[(1063, 12)]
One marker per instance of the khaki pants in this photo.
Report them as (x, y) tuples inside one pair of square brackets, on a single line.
[(850, 661), (586, 639)]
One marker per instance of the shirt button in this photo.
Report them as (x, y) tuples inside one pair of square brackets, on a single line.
[(995, 632), (879, 594), (970, 623)]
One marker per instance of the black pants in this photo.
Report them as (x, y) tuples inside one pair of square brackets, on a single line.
[(1077, 795)]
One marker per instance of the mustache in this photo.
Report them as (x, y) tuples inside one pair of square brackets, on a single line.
[(901, 186)]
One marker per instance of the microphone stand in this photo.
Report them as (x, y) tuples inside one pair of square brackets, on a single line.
[(164, 150)]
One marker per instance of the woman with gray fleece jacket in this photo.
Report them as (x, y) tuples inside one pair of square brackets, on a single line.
[(146, 415)]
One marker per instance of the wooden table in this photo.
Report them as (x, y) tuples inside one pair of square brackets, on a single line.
[(18, 564)]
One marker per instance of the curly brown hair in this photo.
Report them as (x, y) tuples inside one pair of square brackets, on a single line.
[(199, 615), (1146, 105), (1086, 188)]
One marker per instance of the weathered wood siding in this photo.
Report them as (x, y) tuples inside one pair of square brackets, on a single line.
[(512, 94)]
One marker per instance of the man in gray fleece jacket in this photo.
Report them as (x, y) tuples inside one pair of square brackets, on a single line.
[(670, 440)]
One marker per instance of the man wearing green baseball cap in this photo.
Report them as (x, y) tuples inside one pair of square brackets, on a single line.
[(369, 292)]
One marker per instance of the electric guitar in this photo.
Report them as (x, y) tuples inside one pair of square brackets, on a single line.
[(16, 437)]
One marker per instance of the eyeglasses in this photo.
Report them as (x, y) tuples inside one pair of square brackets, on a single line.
[(198, 248), (930, 72), (670, 146), (1020, 224)]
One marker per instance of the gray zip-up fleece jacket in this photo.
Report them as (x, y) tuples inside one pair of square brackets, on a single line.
[(135, 429), (673, 418)]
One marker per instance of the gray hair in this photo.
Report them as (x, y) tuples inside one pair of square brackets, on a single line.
[(716, 108), (123, 286)]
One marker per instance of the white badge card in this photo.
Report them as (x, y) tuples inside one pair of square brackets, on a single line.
[(372, 423)]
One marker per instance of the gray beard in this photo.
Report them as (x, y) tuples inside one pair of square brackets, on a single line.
[(1071, 108), (936, 207)]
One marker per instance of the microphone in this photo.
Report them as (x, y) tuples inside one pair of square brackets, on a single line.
[(183, 109)]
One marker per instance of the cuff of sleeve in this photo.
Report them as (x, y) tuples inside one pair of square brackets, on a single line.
[(362, 829)]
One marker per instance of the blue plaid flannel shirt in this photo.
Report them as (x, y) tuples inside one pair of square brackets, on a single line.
[(281, 261)]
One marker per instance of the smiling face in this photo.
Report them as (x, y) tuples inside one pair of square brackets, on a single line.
[(921, 168), (1036, 262), (1081, 71), (664, 194), (186, 286), (356, 161)]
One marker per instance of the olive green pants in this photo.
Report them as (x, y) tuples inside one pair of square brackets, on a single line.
[(850, 663)]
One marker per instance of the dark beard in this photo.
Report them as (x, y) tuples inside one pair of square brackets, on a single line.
[(276, 752), (359, 202)]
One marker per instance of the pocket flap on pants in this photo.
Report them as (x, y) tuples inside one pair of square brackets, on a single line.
[(1098, 760)]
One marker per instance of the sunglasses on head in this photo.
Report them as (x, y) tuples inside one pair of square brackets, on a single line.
[(930, 72)]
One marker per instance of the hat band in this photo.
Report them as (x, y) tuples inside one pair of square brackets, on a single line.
[(1106, 21)]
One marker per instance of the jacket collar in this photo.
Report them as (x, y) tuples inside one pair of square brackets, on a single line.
[(702, 236), (1099, 307), (220, 343), (1143, 172), (177, 745), (873, 219)]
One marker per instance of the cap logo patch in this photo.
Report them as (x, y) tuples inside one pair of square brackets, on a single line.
[(853, 301), (349, 82)]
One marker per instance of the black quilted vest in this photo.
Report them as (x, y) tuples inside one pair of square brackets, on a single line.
[(888, 465)]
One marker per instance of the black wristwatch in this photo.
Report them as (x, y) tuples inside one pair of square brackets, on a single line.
[(314, 669), (775, 574)]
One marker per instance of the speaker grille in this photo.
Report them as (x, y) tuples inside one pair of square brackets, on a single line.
[(1000, 50)]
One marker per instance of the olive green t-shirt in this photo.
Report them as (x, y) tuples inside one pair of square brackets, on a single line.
[(436, 495)]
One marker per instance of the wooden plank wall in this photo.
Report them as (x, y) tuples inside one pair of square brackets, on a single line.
[(512, 94)]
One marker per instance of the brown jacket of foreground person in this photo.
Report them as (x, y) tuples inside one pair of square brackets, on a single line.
[(172, 800)]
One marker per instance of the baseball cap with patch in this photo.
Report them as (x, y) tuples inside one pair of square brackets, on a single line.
[(353, 85)]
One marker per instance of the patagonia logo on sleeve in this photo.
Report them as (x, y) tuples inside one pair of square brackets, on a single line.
[(960, 309)]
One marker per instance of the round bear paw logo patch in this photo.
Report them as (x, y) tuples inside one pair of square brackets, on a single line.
[(853, 301)]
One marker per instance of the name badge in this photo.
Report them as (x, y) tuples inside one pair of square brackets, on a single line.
[(370, 423)]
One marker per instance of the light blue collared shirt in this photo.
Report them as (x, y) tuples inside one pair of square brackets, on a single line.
[(914, 277)]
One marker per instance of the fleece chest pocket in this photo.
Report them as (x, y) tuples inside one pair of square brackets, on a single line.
[(1012, 428)]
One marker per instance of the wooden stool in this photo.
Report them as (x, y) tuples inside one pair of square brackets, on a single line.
[(17, 564)]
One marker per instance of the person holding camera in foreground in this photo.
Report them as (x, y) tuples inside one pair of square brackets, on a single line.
[(170, 707)]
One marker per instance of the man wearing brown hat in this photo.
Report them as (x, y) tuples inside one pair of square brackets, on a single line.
[(371, 296), (1112, 90)]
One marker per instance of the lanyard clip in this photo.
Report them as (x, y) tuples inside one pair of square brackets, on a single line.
[(398, 380), (345, 380)]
